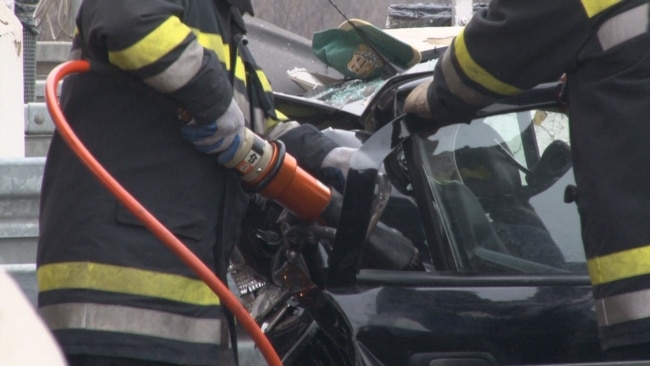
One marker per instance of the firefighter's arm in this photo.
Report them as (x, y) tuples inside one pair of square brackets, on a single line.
[(149, 40), (504, 49)]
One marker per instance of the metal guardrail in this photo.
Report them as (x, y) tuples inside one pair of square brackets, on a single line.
[(38, 124), (20, 187), (38, 129), (37, 119)]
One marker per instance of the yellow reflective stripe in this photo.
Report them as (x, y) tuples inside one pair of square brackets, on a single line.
[(593, 7), (270, 122), (458, 86), (152, 47), (125, 280), (240, 70), (214, 42), (180, 72), (124, 319), (281, 117), (264, 81), (478, 74), (618, 266)]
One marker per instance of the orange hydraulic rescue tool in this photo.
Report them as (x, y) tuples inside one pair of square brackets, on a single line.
[(265, 168)]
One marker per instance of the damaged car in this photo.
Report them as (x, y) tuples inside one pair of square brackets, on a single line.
[(457, 247)]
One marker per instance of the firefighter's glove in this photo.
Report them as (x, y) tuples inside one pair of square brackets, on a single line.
[(335, 166), (419, 117), (417, 103), (223, 136)]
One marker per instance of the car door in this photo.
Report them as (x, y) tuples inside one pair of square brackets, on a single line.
[(503, 278)]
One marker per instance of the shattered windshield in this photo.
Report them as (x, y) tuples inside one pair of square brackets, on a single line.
[(352, 94), (500, 183)]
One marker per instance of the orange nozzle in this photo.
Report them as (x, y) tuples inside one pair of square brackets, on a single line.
[(292, 187)]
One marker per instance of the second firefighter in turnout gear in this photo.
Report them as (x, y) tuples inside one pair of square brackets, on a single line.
[(602, 48), (178, 87)]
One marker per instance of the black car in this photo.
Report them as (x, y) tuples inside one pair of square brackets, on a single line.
[(455, 247), (459, 247)]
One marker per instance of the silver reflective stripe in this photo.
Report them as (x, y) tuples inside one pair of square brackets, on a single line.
[(180, 72), (623, 27), (458, 88), (623, 308), (111, 318)]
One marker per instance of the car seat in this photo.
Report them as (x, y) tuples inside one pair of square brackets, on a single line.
[(494, 199), (488, 168)]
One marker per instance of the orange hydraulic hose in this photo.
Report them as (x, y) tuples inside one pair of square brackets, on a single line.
[(149, 221)]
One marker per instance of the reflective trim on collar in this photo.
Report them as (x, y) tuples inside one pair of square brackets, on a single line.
[(123, 319), (458, 88), (618, 266), (623, 308), (623, 27)]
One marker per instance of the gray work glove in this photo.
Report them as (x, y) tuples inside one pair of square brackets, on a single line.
[(222, 136)]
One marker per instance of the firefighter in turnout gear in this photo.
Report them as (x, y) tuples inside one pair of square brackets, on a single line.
[(167, 104), (601, 47)]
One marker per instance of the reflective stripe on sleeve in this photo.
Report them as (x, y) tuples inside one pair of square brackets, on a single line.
[(458, 88), (621, 265), (180, 72), (215, 43), (623, 27), (593, 7), (162, 40), (623, 308), (478, 74), (125, 280), (123, 319)]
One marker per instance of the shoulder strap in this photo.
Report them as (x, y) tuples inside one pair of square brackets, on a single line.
[(258, 96)]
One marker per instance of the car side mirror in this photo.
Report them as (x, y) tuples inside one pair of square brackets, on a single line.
[(552, 165)]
